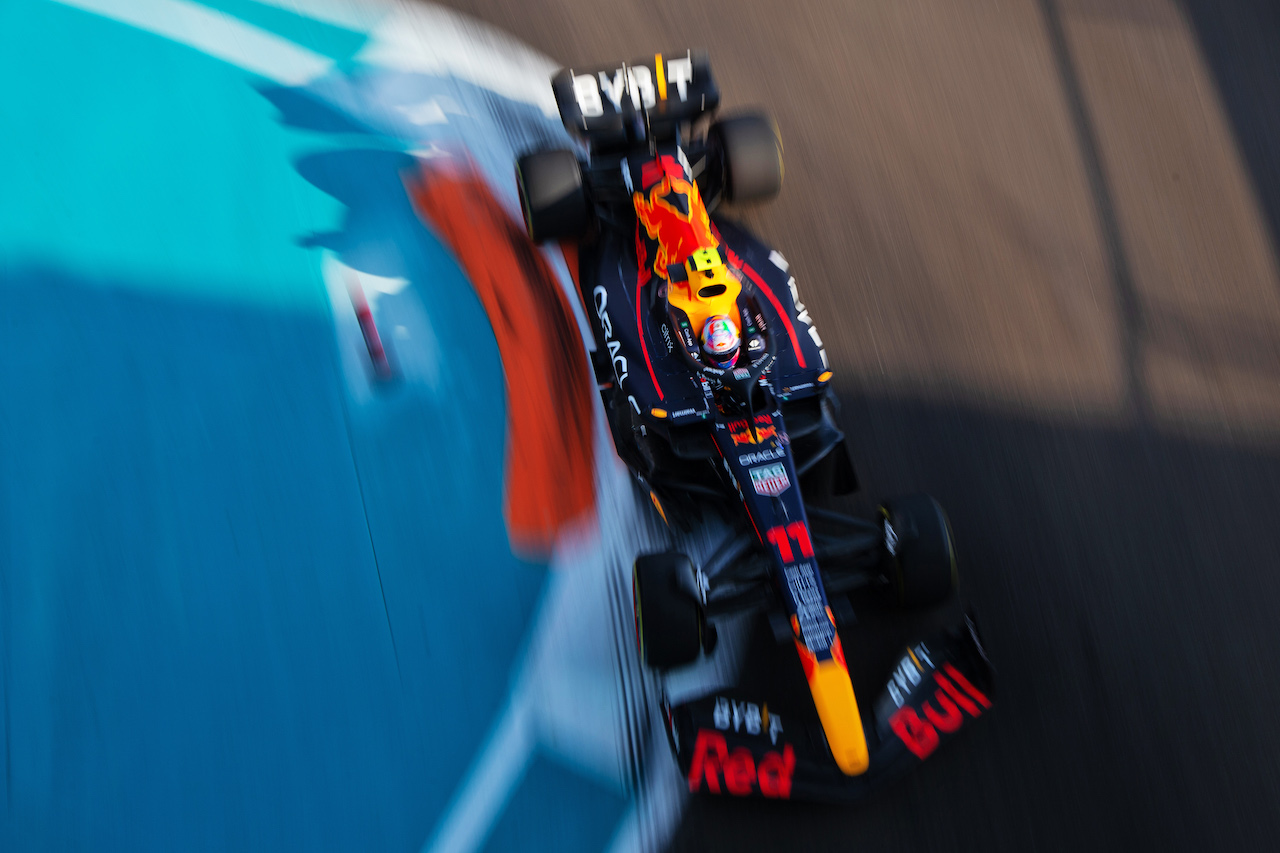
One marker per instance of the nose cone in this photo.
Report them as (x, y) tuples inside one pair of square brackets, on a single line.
[(838, 710)]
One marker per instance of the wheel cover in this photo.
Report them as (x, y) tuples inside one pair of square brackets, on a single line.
[(524, 204)]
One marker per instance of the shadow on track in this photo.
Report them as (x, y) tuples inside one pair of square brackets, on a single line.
[(1241, 43), (1122, 577)]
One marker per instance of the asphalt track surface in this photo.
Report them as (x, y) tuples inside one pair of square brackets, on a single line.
[(1039, 238)]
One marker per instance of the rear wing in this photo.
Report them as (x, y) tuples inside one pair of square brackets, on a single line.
[(637, 101)]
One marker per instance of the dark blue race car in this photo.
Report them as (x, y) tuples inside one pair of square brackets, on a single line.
[(717, 390)]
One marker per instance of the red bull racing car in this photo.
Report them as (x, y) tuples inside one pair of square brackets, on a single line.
[(717, 390)]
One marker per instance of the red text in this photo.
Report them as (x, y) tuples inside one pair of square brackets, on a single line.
[(943, 715), (713, 762), (780, 537)]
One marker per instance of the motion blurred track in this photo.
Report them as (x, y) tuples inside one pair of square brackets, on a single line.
[(1040, 239)]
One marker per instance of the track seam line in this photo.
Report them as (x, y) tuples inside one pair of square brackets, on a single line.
[(373, 548)]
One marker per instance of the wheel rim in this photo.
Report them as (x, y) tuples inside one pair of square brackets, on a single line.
[(896, 575), (635, 612)]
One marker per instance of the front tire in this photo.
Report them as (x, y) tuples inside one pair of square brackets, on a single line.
[(668, 622), (921, 551)]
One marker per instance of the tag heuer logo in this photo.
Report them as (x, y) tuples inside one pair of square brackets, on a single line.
[(770, 480)]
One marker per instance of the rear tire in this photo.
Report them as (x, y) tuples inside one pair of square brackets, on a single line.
[(751, 152), (668, 622), (921, 550), (552, 197)]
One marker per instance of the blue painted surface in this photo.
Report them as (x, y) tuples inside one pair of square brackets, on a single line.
[(240, 608), (557, 808), (194, 624)]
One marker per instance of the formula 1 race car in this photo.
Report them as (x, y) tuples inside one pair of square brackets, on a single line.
[(745, 428)]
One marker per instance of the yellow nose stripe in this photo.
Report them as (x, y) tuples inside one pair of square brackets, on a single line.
[(838, 710)]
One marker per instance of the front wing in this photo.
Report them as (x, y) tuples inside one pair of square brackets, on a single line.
[(728, 744)]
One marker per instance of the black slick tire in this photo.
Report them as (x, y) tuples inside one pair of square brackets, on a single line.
[(921, 551), (668, 622), (552, 196), (751, 154)]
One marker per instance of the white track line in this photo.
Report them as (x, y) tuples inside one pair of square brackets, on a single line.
[(217, 34), (480, 801), (431, 40)]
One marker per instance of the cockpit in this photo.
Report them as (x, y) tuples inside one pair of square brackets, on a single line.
[(703, 289)]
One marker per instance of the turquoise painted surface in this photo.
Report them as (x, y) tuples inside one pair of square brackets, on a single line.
[(128, 154)]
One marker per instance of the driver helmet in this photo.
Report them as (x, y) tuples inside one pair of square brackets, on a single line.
[(720, 341)]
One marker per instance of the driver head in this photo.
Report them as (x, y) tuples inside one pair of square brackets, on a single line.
[(720, 341)]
